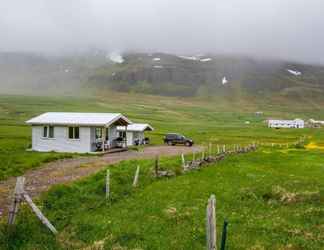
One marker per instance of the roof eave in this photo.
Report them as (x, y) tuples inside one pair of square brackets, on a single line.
[(120, 116)]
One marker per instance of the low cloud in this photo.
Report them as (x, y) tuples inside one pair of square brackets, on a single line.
[(290, 29)]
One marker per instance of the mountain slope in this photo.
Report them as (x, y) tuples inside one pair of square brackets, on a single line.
[(160, 74), (204, 75)]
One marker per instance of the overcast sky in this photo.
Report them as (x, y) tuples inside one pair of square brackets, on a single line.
[(292, 29)]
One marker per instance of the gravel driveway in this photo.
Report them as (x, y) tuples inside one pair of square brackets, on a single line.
[(64, 171)]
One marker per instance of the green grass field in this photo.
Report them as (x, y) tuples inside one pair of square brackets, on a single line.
[(273, 198), (217, 121)]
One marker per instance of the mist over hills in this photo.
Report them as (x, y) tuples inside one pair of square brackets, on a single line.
[(31, 73), (160, 74)]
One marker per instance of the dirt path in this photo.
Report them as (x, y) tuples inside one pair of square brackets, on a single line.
[(64, 171)]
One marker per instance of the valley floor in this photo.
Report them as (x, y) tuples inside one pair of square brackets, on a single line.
[(273, 198)]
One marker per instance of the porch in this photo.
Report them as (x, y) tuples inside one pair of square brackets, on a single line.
[(107, 139)]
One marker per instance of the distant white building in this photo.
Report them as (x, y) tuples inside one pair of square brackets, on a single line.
[(135, 133), (297, 123), (315, 124)]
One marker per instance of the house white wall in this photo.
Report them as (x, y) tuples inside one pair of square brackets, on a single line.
[(61, 141), (134, 135), (93, 139), (129, 137)]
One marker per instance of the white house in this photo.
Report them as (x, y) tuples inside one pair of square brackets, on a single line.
[(77, 132), (315, 124), (135, 133), (297, 123)]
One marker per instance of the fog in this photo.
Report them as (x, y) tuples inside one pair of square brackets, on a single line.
[(286, 29)]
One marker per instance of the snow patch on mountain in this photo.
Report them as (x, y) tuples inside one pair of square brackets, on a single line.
[(224, 80), (193, 58), (116, 57), (206, 59), (294, 72)]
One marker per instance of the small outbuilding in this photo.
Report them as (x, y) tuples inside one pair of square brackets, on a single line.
[(135, 133), (77, 132)]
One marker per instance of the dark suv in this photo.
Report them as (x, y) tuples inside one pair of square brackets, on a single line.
[(173, 139)]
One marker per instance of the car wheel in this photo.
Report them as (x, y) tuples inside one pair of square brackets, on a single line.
[(188, 144), (169, 143)]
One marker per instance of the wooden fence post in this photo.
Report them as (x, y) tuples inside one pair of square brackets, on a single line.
[(17, 197), (107, 184), (156, 167), (211, 223), (136, 176), (203, 155), (39, 214), (209, 150), (193, 156), (183, 161), (217, 149), (224, 148)]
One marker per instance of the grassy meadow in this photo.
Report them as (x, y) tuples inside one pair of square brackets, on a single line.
[(273, 198), (218, 121)]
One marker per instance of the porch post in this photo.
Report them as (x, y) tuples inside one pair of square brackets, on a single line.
[(109, 139), (103, 134), (126, 136)]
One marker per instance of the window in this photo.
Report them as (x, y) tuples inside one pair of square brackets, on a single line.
[(48, 132), (98, 133), (71, 133), (74, 133), (45, 132)]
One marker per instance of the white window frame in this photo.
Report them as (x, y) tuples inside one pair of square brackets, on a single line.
[(73, 133), (48, 132)]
